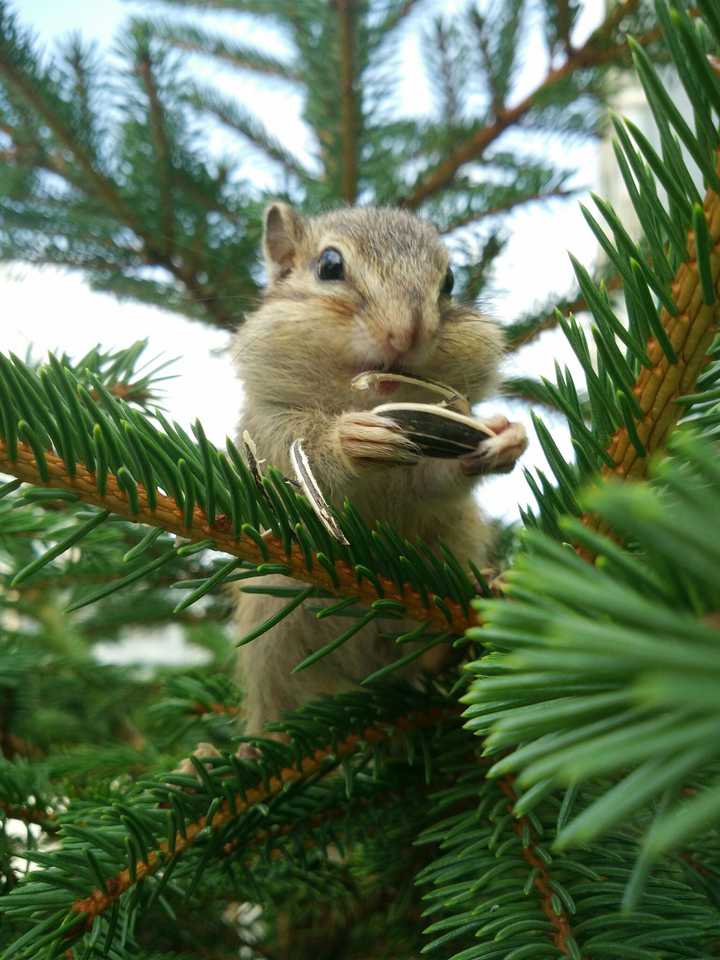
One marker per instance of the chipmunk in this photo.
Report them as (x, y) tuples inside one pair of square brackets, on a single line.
[(353, 290)]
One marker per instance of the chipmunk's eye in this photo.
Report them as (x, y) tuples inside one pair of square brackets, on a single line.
[(330, 265), (448, 283)]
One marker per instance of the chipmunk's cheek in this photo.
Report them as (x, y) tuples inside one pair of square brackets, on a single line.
[(364, 351)]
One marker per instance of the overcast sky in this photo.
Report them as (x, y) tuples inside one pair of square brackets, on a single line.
[(53, 310)]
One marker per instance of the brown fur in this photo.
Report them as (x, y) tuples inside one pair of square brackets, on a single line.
[(296, 356)]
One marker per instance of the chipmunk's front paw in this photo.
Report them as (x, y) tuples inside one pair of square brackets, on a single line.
[(203, 751), (206, 751), (497, 454), (366, 439)]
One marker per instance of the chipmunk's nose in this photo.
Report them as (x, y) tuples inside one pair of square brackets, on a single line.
[(403, 340), (405, 335)]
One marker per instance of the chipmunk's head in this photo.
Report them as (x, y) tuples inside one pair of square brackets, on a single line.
[(360, 289)]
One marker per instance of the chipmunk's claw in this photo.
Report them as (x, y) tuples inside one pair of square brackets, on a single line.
[(367, 439), (497, 454)]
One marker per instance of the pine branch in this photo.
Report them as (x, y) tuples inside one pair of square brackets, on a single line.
[(541, 876), (391, 152), (527, 329), (691, 332), (564, 20), (593, 53), (497, 103), (340, 807), (193, 39), (512, 203), (443, 53), (484, 879), (612, 726), (230, 803), (397, 16), (533, 392), (102, 185), (144, 68), (638, 393), (639, 727), (206, 304), (95, 450), (495, 32), (45, 819), (124, 373), (259, 8), (78, 166), (82, 63), (238, 120), (167, 515), (543, 880), (221, 709)]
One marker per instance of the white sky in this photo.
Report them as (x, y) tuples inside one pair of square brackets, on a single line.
[(53, 310)]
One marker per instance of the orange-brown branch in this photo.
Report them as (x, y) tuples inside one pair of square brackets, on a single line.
[(170, 518), (543, 881), (99, 901), (658, 387)]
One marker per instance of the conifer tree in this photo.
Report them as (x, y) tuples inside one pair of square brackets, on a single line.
[(557, 794)]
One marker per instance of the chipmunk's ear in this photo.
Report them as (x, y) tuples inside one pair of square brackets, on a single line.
[(283, 232)]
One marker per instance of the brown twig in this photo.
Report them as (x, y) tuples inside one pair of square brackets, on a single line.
[(8, 703), (162, 152), (235, 57), (551, 321), (124, 391), (348, 101), (398, 15), (477, 215), (593, 53), (328, 815), (564, 22)]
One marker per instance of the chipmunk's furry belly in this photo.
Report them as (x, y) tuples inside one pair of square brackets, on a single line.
[(266, 664), (458, 523)]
